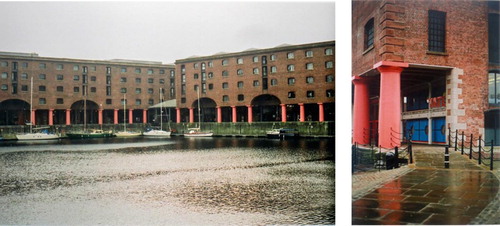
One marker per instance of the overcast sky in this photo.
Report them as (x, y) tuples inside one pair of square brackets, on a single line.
[(159, 31)]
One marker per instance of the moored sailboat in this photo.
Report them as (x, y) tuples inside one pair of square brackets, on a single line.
[(158, 132), (43, 133), (197, 132), (126, 133)]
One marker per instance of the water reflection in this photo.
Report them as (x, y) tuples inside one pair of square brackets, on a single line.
[(215, 180)]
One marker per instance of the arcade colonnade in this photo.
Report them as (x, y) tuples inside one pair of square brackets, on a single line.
[(141, 115), (389, 112)]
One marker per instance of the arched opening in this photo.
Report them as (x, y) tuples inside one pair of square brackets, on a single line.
[(208, 110), (266, 108), (78, 115), (14, 112)]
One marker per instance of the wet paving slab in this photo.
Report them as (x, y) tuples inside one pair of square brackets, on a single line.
[(430, 194)]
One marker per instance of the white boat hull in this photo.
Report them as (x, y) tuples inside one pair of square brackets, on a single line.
[(157, 133), (36, 136), (198, 134), (127, 134)]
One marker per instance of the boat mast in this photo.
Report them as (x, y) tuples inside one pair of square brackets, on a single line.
[(161, 110), (124, 112), (31, 105), (199, 109)]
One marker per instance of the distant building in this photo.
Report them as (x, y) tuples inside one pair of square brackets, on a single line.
[(421, 67), (285, 83), (61, 85)]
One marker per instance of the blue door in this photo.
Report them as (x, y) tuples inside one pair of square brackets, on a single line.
[(419, 128), (439, 130)]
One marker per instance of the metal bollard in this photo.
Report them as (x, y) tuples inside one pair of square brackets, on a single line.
[(491, 156), (446, 158)]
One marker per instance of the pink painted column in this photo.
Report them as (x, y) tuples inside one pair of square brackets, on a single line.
[(233, 109), (191, 115), (283, 112), (321, 110), (361, 111), (250, 114), (115, 116), (144, 116), (302, 112), (219, 114), (99, 116), (130, 116), (68, 117), (390, 103), (51, 117), (178, 113), (33, 117)]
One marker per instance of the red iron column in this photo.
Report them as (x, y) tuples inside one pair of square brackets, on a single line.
[(130, 116), (250, 114), (233, 108), (219, 114), (115, 117), (33, 117), (361, 111), (68, 117), (191, 115), (283, 112), (390, 103), (178, 113), (302, 112), (321, 112), (99, 116), (144, 116), (51, 117)]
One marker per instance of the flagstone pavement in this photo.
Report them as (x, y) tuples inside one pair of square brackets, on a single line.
[(428, 193)]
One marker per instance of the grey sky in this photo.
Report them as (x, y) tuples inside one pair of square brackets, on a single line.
[(159, 31)]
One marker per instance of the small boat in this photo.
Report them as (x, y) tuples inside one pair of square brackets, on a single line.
[(282, 133), (96, 133), (157, 133), (195, 132), (126, 133), (41, 135)]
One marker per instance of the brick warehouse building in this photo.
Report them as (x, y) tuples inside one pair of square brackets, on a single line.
[(285, 83), (290, 81), (425, 66), (59, 85)]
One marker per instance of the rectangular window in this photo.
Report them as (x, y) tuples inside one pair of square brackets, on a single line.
[(93, 78), (76, 89), (225, 85), (291, 81), (494, 38), (138, 90), (437, 31), (123, 79), (162, 81), (138, 70), (24, 65), (24, 87), (309, 53), (150, 91), (5, 87), (59, 101), (150, 71), (239, 61), (59, 67), (5, 75), (369, 34), (329, 64), (42, 66), (290, 67), (24, 76), (309, 66), (240, 84), (42, 88), (328, 52), (109, 101), (150, 80), (76, 67), (151, 102), (76, 78), (108, 70), (310, 94), (256, 83), (162, 71), (123, 90), (123, 69), (60, 77), (138, 102), (42, 101), (224, 62), (108, 90), (60, 89), (93, 89), (137, 80), (494, 88), (290, 55)]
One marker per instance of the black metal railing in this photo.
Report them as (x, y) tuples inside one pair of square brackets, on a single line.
[(476, 148)]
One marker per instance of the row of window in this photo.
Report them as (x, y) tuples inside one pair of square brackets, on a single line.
[(138, 102), (76, 89), (255, 71), (291, 95), (255, 59), (150, 71), (436, 32), (24, 76)]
